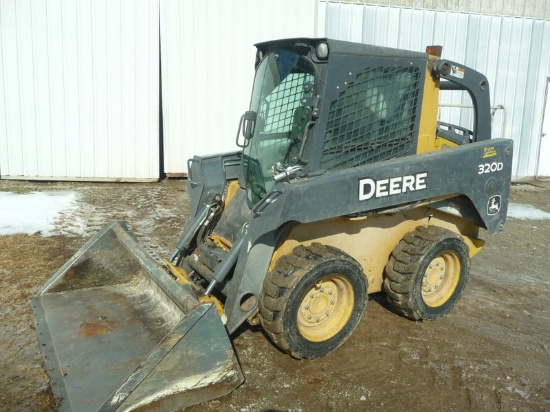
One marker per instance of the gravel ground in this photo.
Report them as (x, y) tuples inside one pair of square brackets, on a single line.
[(491, 353)]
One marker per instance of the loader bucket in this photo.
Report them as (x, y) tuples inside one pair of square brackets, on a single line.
[(118, 333)]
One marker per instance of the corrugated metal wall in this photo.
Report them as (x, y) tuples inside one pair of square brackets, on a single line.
[(80, 80), (543, 166), (208, 67), (80, 89), (513, 53), (539, 9)]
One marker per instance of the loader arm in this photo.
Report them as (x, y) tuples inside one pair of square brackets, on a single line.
[(208, 176)]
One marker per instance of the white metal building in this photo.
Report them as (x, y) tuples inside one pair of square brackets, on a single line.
[(80, 82), (208, 57), (130, 89), (509, 42), (79, 89)]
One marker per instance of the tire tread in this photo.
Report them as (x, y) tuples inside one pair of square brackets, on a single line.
[(280, 282), (404, 264)]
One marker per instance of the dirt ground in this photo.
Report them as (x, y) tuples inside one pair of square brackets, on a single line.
[(492, 353)]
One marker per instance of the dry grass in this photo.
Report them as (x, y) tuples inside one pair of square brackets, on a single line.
[(26, 262)]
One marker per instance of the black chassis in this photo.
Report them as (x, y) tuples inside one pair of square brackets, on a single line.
[(479, 171)]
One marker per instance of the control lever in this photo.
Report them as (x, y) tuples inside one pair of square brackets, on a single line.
[(281, 172)]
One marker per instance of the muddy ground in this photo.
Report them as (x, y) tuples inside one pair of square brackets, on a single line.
[(492, 353)]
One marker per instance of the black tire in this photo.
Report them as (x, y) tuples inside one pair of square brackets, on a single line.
[(427, 273), (313, 300)]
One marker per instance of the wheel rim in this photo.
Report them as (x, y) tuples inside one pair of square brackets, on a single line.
[(326, 308), (440, 279)]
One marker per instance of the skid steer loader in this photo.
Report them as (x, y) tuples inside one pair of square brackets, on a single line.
[(345, 184)]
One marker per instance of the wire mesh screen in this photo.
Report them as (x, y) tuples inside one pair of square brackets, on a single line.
[(373, 119), (277, 109)]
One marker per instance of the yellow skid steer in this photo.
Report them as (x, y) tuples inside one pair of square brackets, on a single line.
[(345, 184)]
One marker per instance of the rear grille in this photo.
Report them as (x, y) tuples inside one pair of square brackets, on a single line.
[(373, 119)]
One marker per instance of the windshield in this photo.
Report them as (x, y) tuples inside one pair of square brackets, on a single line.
[(282, 79)]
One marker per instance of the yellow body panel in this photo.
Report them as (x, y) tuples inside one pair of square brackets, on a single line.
[(428, 141), (370, 240), (231, 190), (427, 132)]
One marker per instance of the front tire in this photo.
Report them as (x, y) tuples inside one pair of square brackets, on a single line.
[(313, 300), (427, 273)]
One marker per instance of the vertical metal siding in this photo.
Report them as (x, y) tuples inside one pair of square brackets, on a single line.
[(208, 67), (512, 52), (80, 89), (543, 165)]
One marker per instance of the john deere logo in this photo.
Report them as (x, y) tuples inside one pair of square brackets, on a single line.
[(493, 205), (369, 188)]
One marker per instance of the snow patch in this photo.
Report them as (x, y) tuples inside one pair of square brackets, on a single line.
[(47, 213), (526, 212)]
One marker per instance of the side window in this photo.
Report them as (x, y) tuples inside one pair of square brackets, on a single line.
[(277, 109), (373, 119)]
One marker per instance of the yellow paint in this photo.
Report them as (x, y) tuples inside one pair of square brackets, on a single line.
[(220, 241), (232, 189), (427, 132), (489, 152), (179, 273), (182, 278), (468, 230), (428, 141), (216, 302), (440, 279), (326, 308), (370, 240)]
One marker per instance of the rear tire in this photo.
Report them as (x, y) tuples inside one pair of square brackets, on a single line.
[(313, 300), (427, 273)]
